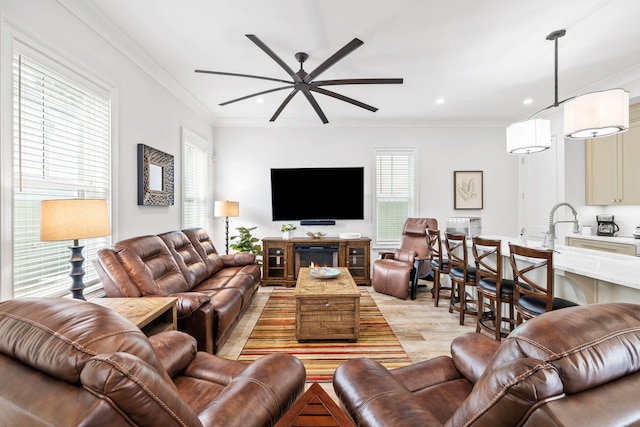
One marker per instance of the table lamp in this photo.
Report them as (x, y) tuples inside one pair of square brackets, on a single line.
[(74, 219), (226, 209)]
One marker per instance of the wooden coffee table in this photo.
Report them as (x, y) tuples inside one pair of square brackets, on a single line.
[(327, 309), (315, 408), (151, 315)]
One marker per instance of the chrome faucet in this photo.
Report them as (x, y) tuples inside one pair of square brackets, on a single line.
[(551, 234)]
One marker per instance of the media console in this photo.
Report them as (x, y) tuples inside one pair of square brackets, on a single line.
[(282, 258)]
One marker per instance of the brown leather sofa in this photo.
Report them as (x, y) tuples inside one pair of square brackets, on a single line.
[(66, 362), (578, 366), (213, 290)]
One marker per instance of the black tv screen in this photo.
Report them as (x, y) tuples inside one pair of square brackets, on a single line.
[(317, 193)]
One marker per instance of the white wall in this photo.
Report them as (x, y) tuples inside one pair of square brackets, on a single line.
[(246, 155), (144, 111)]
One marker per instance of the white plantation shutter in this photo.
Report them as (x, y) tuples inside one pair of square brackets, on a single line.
[(395, 193), (195, 173), (61, 151)]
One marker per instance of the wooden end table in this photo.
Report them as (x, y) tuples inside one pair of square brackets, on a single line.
[(327, 309), (315, 408), (151, 315)]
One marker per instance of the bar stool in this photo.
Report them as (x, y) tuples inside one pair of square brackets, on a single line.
[(533, 294), (491, 286), (439, 264), (462, 276)]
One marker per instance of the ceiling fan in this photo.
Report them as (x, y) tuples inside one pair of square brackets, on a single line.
[(306, 82)]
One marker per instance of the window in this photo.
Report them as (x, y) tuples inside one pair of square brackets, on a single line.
[(395, 193), (61, 150), (195, 176)]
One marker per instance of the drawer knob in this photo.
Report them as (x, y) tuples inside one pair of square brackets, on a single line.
[(327, 305)]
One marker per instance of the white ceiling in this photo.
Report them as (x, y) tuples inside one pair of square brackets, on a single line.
[(483, 57)]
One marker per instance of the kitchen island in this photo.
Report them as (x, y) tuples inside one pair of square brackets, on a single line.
[(588, 276)]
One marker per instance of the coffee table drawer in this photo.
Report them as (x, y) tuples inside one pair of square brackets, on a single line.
[(327, 304)]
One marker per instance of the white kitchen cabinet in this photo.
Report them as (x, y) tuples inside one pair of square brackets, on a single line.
[(612, 169)]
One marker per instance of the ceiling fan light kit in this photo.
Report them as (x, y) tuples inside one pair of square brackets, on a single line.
[(306, 82), (597, 114), (587, 116)]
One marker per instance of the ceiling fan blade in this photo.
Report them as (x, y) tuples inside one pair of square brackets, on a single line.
[(255, 94), (315, 106), (357, 82), (222, 73), (344, 98), (347, 49), (275, 57), (284, 104)]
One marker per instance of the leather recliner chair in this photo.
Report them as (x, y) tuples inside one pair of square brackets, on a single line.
[(579, 366), (397, 273), (66, 362)]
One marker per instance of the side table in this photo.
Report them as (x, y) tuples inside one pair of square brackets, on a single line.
[(315, 408), (151, 315)]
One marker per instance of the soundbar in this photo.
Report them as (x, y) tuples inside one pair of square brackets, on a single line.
[(318, 222)]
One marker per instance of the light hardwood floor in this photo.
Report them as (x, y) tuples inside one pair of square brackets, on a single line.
[(423, 330)]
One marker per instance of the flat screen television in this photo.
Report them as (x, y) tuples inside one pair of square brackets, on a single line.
[(317, 193)]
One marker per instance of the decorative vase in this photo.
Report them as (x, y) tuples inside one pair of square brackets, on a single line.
[(286, 235)]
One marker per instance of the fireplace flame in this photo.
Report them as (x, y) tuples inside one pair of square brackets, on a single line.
[(314, 265)]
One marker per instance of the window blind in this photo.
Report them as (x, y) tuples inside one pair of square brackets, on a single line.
[(195, 177), (395, 193), (61, 151)]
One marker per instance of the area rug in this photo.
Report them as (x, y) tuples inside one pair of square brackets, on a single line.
[(275, 332)]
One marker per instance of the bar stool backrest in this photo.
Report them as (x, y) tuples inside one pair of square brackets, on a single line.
[(488, 258), (456, 245), (532, 273)]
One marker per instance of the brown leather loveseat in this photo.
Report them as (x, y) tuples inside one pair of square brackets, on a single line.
[(66, 362), (213, 290), (578, 366)]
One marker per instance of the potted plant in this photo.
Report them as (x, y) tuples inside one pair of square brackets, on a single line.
[(246, 243), (287, 230)]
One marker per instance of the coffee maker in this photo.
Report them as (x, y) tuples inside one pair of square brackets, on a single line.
[(606, 226)]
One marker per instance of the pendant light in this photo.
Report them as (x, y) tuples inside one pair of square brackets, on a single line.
[(587, 116), (534, 135), (597, 114)]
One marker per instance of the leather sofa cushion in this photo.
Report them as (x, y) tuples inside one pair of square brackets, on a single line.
[(193, 267), (504, 395), (204, 246), (175, 350), (59, 339), (151, 266), (137, 389), (584, 357)]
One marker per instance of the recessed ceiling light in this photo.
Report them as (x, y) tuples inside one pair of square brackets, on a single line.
[(260, 101), (527, 101), (440, 101)]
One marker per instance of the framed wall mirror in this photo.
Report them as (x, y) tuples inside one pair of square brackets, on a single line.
[(155, 177)]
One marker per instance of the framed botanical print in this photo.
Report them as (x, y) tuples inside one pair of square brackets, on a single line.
[(467, 190)]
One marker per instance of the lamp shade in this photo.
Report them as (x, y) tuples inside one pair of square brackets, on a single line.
[(597, 114), (530, 136), (226, 208), (73, 219)]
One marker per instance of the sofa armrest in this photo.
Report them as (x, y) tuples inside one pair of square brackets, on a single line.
[(174, 349), (427, 373), (404, 255), (137, 389), (385, 255), (268, 386), (374, 397), (238, 260), (471, 354), (189, 302)]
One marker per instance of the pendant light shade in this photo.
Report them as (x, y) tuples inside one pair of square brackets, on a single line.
[(597, 114), (530, 136)]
